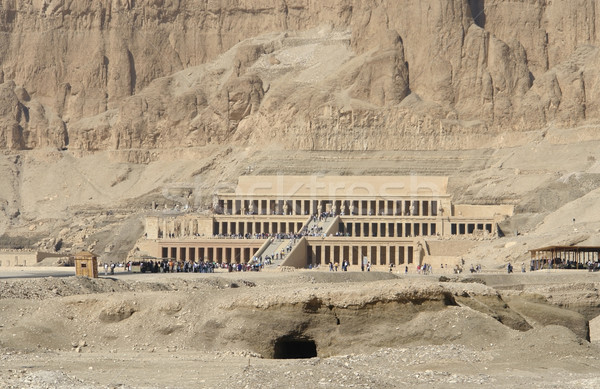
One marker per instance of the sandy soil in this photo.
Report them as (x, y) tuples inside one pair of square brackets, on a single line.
[(371, 330)]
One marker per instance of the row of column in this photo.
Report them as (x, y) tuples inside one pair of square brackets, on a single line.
[(323, 254), (189, 228), (209, 253), (339, 207), (469, 228), (388, 229), (175, 229), (255, 227)]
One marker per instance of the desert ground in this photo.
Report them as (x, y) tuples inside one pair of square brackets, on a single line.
[(243, 330)]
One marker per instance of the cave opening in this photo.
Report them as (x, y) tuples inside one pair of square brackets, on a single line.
[(294, 347), (478, 12)]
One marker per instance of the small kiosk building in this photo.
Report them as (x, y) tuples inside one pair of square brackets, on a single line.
[(86, 264)]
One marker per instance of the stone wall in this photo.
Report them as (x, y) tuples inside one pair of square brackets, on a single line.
[(18, 258), (25, 258)]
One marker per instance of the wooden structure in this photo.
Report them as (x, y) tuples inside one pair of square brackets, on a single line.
[(564, 257), (86, 264)]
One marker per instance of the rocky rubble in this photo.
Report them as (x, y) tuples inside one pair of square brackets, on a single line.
[(190, 330), (41, 289)]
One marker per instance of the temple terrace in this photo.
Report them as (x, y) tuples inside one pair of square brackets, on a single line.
[(310, 221)]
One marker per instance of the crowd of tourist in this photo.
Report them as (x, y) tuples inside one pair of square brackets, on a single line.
[(424, 269), (171, 266), (244, 236)]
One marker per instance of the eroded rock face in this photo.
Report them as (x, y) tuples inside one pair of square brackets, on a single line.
[(119, 74), (346, 321)]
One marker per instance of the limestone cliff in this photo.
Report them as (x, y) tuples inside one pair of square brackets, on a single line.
[(336, 75)]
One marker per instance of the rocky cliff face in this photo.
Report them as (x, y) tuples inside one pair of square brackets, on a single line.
[(338, 75)]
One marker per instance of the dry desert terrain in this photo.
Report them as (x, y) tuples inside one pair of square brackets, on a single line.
[(237, 330)]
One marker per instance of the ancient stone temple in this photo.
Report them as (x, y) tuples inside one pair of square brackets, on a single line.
[(316, 220)]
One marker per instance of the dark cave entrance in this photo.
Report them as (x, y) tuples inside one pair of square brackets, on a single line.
[(294, 347)]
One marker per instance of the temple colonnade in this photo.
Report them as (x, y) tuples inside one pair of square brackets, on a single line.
[(359, 207), (377, 253), (212, 250)]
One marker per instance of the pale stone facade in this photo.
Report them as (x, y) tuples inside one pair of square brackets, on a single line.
[(383, 219)]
